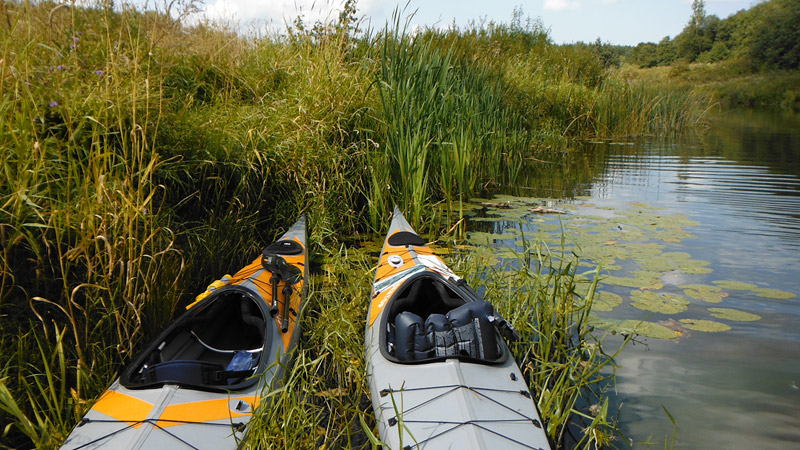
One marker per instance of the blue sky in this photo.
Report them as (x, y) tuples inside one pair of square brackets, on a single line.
[(615, 21)]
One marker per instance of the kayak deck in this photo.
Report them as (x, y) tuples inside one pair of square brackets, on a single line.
[(439, 373)]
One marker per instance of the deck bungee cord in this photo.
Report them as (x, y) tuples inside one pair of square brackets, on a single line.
[(238, 426), (455, 388)]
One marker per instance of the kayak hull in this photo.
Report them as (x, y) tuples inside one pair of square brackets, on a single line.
[(188, 388), (462, 401)]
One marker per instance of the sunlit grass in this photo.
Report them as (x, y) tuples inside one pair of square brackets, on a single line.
[(141, 158)]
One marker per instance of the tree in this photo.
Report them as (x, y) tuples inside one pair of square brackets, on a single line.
[(774, 39), (698, 15), (693, 40), (667, 51), (645, 55)]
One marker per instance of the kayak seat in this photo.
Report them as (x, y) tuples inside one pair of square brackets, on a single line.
[(462, 332), (425, 296)]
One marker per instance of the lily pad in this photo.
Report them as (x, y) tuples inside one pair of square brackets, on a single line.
[(735, 285), (774, 293), (660, 303), (642, 328), (487, 219), (605, 301), (704, 325), (482, 238), (703, 292), (733, 314)]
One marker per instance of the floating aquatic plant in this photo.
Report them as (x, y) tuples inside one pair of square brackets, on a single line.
[(703, 292), (640, 327), (660, 303), (735, 285), (482, 238), (774, 293), (733, 314), (708, 326), (605, 301)]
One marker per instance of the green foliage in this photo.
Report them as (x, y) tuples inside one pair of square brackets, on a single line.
[(142, 158), (764, 36), (564, 362), (774, 40)]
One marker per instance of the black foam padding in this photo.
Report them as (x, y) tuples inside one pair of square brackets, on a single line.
[(402, 238), (411, 342), (480, 310), (285, 247), (464, 331)]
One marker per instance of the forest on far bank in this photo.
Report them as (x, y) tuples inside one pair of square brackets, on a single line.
[(766, 36), (750, 58)]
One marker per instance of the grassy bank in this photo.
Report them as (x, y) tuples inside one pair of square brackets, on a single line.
[(728, 84), (142, 158)]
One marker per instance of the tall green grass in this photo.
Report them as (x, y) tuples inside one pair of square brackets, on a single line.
[(142, 157), (562, 357)]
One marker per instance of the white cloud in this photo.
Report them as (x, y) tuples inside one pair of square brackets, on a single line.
[(273, 15), (561, 5)]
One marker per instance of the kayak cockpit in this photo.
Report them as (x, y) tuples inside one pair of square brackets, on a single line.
[(216, 345), (432, 319)]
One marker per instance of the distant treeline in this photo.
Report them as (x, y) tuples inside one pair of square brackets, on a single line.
[(766, 36)]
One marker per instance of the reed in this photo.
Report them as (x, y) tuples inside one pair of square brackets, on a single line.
[(564, 361), (323, 401), (142, 157)]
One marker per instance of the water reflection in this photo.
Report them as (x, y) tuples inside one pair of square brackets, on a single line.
[(740, 181)]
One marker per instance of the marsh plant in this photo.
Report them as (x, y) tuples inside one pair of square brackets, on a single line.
[(562, 356), (143, 157)]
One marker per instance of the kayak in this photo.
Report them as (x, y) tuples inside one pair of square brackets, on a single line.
[(197, 384), (439, 372)]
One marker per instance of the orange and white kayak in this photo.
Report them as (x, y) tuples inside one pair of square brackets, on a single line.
[(196, 385), (439, 372)]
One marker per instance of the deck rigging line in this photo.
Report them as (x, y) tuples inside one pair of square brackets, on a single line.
[(238, 426), (477, 423)]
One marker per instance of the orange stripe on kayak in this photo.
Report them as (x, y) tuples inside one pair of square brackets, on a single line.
[(204, 411), (386, 270), (264, 287), (123, 407)]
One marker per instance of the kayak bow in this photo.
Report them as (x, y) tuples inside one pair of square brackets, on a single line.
[(197, 384), (440, 375)]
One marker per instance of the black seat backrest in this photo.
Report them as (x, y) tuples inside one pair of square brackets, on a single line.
[(463, 332)]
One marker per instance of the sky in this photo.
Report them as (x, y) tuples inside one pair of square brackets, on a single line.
[(624, 22)]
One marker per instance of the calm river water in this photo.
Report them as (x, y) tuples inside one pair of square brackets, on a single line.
[(740, 185)]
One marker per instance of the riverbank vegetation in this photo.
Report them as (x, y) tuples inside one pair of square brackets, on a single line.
[(142, 157), (748, 59)]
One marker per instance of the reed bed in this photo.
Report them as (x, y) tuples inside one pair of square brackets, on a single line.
[(142, 157), (564, 360)]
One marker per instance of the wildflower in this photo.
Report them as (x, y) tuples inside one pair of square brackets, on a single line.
[(72, 47), (61, 67), (76, 38), (98, 72), (53, 103)]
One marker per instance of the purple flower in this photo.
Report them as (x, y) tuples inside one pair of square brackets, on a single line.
[(76, 38), (72, 47), (98, 72), (61, 67), (53, 104)]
